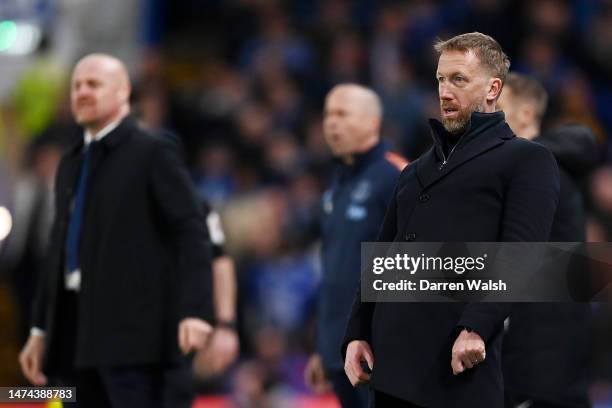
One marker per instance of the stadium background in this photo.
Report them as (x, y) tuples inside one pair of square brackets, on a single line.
[(243, 82)]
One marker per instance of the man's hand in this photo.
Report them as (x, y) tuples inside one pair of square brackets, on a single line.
[(193, 334), (314, 375), (356, 352), (30, 360), (468, 350), (218, 355)]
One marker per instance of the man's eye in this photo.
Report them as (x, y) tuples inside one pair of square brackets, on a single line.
[(459, 79)]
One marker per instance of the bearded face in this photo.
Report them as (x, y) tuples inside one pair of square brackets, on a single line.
[(462, 89), (457, 123)]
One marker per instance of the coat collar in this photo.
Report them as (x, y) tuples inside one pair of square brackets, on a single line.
[(485, 131), (112, 139), (365, 158), (376, 152)]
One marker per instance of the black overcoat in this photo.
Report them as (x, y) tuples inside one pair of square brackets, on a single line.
[(494, 187), (144, 254)]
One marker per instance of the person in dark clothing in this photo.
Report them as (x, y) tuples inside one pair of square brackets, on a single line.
[(128, 281), (478, 183), (545, 353), (353, 209), (223, 346)]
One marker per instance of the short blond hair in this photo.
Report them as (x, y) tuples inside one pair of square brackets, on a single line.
[(528, 88), (489, 52)]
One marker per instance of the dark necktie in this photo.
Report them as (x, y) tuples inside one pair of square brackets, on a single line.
[(76, 218)]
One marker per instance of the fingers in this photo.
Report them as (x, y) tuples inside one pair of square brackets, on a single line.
[(315, 376), (310, 375), (192, 334), (456, 365), (359, 376), (356, 352), (40, 379), (468, 351), (37, 376), (30, 360), (352, 376), (466, 360), (219, 353), (369, 359), (30, 367), (26, 368)]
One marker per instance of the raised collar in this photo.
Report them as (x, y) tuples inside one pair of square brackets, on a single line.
[(485, 131), (479, 123)]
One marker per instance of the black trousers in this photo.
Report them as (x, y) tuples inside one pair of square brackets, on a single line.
[(116, 387), (382, 400), (349, 396), (513, 400), (152, 385)]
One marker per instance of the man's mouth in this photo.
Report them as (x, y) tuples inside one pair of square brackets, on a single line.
[(85, 102), (449, 112)]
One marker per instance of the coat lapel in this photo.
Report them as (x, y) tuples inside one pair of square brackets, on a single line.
[(71, 169)]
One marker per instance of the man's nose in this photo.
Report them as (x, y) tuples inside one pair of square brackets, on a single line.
[(82, 91), (445, 93), (329, 123)]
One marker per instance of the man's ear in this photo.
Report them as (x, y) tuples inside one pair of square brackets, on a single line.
[(124, 93), (375, 124), (495, 87)]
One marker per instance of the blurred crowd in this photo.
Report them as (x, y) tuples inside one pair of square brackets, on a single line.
[(242, 83)]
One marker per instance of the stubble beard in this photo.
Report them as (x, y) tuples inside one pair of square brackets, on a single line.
[(458, 125)]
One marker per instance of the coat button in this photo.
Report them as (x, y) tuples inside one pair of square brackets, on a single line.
[(424, 197), (410, 236)]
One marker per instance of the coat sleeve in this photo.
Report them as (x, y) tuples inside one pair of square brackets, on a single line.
[(360, 321), (530, 203), (41, 293), (39, 304), (173, 193)]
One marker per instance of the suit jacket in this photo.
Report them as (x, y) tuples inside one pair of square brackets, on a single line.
[(144, 256), (494, 187), (546, 349)]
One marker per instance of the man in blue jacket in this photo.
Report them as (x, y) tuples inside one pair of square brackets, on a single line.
[(353, 209)]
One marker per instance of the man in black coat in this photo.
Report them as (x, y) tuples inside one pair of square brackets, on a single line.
[(546, 347), (128, 273), (479, 183)]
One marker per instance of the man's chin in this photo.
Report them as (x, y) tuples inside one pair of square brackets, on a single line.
[(85, 121), (454, 127)]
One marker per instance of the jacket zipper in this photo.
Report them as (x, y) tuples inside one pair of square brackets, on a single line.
[(446, 159)]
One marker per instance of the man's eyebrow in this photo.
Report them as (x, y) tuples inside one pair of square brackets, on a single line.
[(452, 74)]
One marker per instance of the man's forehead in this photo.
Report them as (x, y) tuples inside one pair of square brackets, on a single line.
[(89, 68), (341, 92), (456, 60), (98, 66), (339, 97), (348, 96)]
